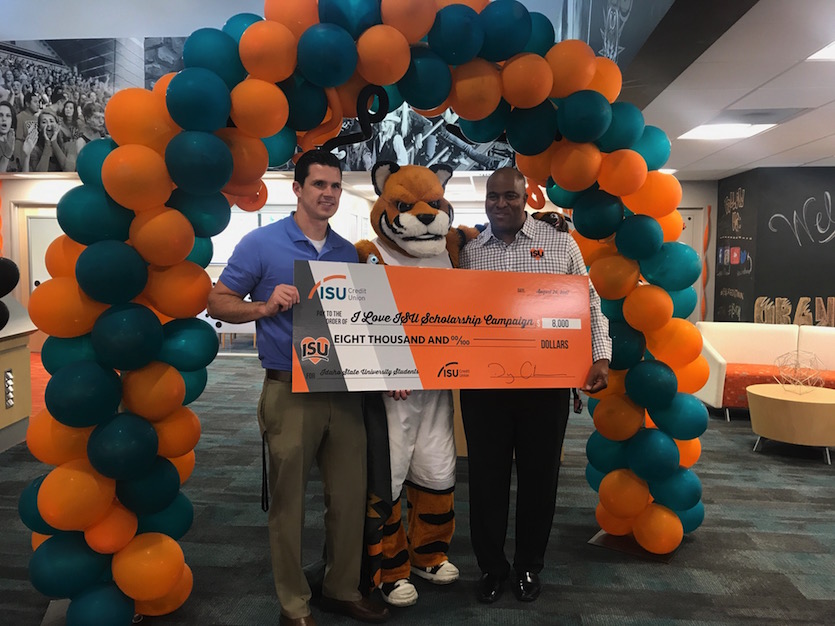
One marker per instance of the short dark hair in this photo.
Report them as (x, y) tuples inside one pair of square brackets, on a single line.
[(314, 157), (6, 103)]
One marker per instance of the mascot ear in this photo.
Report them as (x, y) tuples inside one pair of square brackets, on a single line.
[(443, 172), (380, 173)]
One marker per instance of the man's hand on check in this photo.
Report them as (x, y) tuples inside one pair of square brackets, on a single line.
[(598, 377), (400, 394)]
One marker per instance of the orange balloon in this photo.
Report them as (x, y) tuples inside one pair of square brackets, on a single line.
[(693, 376), (475, 5), (573, 67), (136, 115), (677, 343), (60, 308), (61, 256), (538, 166), (112, 532), (614, 277), (184, 464), (259, 108), (592, 249), (136, 177), (648, 423), (617, 418), (38, 539), (648, 308), (612, 524), (413, 18), (658, 529), (149, 567), (52, 442), (178, 432), (172, 600), (689, 451), (622, 172), (384, 55), (253, 202), (140, 299), (433, 112), (268, 51), (161, 86), (154, 391), (617, 385), (249, 155), (575, 166), (607, 78), (476, 89), (672, 225), (162, 236), (348, 94), (526, 80), (181, 290), (658, 196), (297, 15), (74, 496), (622, 493)]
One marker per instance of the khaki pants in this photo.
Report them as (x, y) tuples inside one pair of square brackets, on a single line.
[(300, 429)]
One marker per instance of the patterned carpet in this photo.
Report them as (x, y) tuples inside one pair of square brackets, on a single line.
[(765, 554)]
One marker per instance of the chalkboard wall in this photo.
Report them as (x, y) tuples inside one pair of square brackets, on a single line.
[(775, 245)]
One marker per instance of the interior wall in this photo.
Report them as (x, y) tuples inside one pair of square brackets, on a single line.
[(704, 194)]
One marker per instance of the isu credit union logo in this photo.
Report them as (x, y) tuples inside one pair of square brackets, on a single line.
[(315, 350), (449, 370), (329, 292)]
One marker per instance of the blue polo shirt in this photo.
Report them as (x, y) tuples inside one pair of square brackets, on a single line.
[(264, 259)]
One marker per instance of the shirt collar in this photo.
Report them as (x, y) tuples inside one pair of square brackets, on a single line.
[(295, 233), (527, 231)]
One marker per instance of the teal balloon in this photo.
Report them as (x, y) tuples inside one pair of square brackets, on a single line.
[(654, 146), (202, 252), (91, 158), (63, 566), (532, 131), (281, 147), (684, 302), (174, 520), (198, 99), (153, 491), (488, 129), (102, 604), (628, 345), (111, 272), (639, 237), (308, 103), (652, 454), (355, 16), (692, 518), (57, 352), (209, 214), (651, 384), (561, 197), (236, 25), (604, 454), (680, 490), (674, 267), (199, 163), (195, 384), (327, 55), (625, 130), (83, 394), (87, 215), (394, 96), (189, 344), (612, 309), (594, 476), (542, 34), (457, 34), (214, 50), (685, 418), (591, 404), (584, 116), (507, 29), (597, 214), (427, 82), (123, 447), (27, 509), (127, 336)]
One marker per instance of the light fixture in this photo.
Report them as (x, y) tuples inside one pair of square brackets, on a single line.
[(666, 170), (717, 132), (827, 53)]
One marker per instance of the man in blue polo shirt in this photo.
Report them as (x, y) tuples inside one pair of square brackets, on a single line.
[(302, 428)]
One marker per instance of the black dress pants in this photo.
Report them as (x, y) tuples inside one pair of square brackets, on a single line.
[(497, 423)]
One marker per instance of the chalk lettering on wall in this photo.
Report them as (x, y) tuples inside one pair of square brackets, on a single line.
[(780, 310), (733, 203), (815, 223), (732, 293)]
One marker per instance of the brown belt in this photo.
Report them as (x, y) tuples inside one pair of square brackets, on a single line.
[(279, 375)]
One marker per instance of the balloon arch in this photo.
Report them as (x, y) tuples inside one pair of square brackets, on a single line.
[(127, 354)]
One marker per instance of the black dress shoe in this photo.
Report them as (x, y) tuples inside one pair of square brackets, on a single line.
[(527, 587), (490, 587)]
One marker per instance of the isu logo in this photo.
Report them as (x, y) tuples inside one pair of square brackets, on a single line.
[(537, 253), (328, 293), (449, 370), (315, 350)]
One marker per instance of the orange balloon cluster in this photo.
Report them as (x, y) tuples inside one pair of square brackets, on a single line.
[(476, 89), (139, 116)]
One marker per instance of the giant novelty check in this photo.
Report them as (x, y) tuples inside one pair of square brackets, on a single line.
[(364, 327)]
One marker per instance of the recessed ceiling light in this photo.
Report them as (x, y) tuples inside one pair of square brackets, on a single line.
[(717, 132), (665, 170), (826, 53)]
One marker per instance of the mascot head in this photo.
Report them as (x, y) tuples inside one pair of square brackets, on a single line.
[(411, 213)]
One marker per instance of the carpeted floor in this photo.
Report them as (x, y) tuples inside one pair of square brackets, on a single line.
[(765, 554)]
